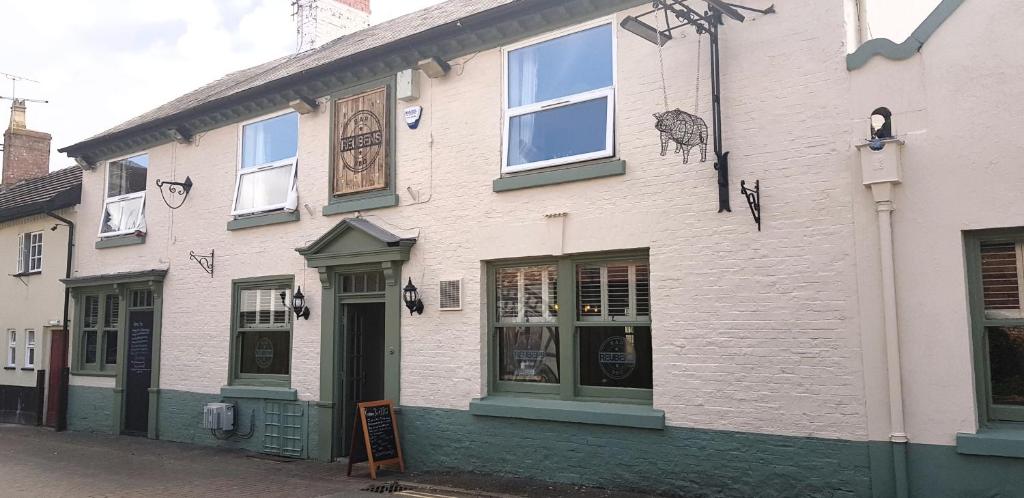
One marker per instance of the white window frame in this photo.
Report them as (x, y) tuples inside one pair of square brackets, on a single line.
[(34, 264), (30, 348), (12, 348), (125, 197), (239, 173), (609, 92)]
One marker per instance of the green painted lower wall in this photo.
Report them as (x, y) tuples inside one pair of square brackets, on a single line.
[(675, 460), (90, 409), (693, 462), (181, 420)]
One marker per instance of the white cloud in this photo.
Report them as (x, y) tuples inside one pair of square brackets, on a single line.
[(105, 61)]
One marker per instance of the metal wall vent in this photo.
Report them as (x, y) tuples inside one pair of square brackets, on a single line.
[(451, 295)]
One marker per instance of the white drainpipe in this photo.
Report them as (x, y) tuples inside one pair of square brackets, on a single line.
[(882, 172)]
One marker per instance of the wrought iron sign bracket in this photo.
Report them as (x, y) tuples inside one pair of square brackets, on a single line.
[(707, 22), (175, 189), (205, 262), (753, 200)]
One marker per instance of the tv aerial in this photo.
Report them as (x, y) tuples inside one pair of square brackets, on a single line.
[(678, 14), (14, 88)]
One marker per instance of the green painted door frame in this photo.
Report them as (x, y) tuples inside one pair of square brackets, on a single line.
[(122, 285), (352, 246)]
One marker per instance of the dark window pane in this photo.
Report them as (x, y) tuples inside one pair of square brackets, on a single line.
[(110, 347), (566, 131), (615, 357), (265, 352), (127, 176), (528, 354), (90, 346), (1006, 363), (142, 298)]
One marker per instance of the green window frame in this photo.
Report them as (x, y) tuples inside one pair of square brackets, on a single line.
[(260, 325), (542, 311), (100, 318), (995, 264)]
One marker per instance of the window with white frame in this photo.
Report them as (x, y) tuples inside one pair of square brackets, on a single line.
[(30, 253), (560, 99), (123, 208), (267, 165), (12, 348), (30, 349)]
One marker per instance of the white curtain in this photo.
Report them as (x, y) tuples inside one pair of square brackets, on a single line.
[(525, 84)]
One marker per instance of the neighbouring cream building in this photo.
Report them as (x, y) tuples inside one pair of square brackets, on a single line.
[(586, 313), (37, 213)]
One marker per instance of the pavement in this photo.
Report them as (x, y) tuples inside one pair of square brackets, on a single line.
[(38, 462)]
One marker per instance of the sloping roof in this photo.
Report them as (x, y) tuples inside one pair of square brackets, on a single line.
[(373, 37), (57, 190)]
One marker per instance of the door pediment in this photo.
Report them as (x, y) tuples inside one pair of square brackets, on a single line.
[(356, 241)]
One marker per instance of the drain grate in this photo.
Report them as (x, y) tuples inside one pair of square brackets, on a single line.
[(387, 488)]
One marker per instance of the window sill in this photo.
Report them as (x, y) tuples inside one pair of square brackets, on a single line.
[(262, 220), (554, 176), (28, 369), (246, 392), (580, 412), (1005, 440), (10, 368), (121, 241), (342, 205), (27, 274), (92, 373)]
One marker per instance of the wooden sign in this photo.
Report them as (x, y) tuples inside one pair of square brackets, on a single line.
[(360, 143), (375, 437)]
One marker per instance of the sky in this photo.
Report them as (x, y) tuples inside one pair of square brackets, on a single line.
[(102, 62)]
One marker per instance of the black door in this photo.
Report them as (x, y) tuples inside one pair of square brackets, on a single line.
[(364, 362), (138, 372)]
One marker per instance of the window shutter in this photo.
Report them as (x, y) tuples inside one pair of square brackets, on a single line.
[(451, 295), (21, 254), (1000, 276)]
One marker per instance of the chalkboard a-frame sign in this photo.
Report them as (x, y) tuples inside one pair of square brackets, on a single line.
[(375, 437)]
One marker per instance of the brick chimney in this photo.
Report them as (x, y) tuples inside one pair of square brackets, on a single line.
[(26, 152), (321, 21)]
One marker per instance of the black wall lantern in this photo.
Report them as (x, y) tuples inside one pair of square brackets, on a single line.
[(412, 298), (298, 304)]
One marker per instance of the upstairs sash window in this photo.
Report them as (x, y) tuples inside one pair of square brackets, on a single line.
[(267, 165), (560, 99), (123, 209)]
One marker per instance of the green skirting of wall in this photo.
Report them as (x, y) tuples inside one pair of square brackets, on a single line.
[(181, 420), (692, 462), (89, 409), (673, 461)]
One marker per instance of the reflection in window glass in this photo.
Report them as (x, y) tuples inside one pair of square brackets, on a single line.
[(556, 133), (1006, 365), (527, 294), (263, 188), (127, 176), (528, 354), (264, 352), (124, 215), (270, 140), (569, 65), (92, 312), (615, 357)]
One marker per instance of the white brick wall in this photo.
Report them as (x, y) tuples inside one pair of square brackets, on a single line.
[(752, 331)]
